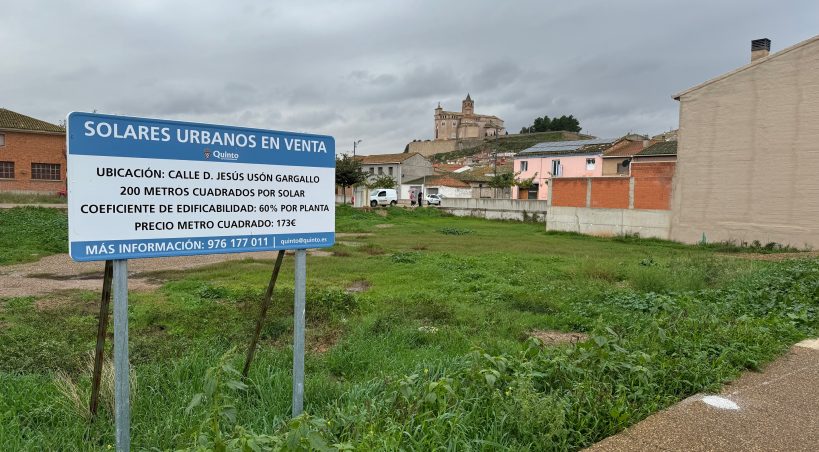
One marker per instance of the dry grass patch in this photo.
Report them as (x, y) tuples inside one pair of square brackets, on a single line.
[(360, 285), (552, 337)]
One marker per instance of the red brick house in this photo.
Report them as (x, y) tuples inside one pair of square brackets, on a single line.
[(32, 154)]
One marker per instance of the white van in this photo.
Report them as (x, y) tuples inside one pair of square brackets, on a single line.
[(383, 197)]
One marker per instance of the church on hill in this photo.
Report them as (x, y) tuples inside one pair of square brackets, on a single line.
[(452, 125)]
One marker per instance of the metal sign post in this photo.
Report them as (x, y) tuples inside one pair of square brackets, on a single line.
[(122, 371), (102, 328), (299, 291)]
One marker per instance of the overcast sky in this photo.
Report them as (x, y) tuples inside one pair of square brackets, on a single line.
[(375, 70)]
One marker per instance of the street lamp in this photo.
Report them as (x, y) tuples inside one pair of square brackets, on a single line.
[(355, 144)]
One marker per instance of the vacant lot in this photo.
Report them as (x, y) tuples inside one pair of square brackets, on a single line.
[(424, 331)]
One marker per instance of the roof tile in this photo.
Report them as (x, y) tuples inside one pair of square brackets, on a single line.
[(662, 148), (385, 158), (11, 120)]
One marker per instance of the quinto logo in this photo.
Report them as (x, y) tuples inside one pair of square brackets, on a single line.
[(220, 155)]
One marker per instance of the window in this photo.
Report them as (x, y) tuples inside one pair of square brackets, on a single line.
[(2, 139), (590, 163), (453, 123), (524, 165), (372, 170), (622, 167), (6, 170), (380, 170), (390, 170), (443, 123), (557, 169), (45, 171)]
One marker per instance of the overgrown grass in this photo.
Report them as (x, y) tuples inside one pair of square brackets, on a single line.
[(28, 233), (30, 198), (434, 353)]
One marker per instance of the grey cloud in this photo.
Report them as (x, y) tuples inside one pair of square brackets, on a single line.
[(374, 70)]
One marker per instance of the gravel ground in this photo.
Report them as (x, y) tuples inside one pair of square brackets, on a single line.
[(60, 272)]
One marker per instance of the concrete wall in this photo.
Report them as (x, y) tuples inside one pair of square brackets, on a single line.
[(610, 222), (496, 209), (748, 153), (428, 148)]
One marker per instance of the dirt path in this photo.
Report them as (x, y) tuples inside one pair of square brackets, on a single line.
[(60, 272), (773, 410), (47, 206)]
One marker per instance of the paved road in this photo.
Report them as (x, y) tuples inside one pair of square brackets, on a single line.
[(776, 410)]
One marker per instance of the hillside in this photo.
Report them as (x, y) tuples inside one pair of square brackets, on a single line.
[(509, 143)]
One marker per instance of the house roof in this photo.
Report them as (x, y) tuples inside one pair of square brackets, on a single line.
[(662, 148), (11, 120), (626, 150), (568, 147), (442, 180), (385, 158), (482, 173), (754, 63)]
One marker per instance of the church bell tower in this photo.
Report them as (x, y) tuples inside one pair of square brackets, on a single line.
[(468, 107)]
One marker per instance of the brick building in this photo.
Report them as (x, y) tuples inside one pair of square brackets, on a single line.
[(32, 154)]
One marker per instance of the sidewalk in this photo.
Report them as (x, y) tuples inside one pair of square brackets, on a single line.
[(775, 410)]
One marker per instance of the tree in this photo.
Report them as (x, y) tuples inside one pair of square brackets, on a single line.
[(525, 184), (382, 181), (502, 180), (348, 173), (546, 124)]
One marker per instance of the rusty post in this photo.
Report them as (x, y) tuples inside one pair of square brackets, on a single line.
[(268, 295), (102, 328)]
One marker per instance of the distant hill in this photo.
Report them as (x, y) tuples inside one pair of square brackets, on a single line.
[(509, 143)]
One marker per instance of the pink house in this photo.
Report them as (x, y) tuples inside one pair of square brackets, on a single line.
[(580, 158)]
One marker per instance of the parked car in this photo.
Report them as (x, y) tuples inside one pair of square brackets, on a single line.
[(434, 199), (383, 197)]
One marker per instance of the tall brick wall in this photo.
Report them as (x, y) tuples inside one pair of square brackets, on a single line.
[(610, 192), (26, 148), (652, 169), (652, 193), (652, 189), (569, 191), (652, 185)]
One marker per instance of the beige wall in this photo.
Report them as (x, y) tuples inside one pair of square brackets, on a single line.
[(748, 156), (610, 165)]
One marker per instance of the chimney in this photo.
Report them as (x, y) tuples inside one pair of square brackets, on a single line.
[(760, 48), (646, 143)]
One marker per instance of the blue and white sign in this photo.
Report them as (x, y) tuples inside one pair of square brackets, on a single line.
[(149, 188)]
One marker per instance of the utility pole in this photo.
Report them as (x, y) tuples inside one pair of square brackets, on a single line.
[(495, 162), (355, 144)]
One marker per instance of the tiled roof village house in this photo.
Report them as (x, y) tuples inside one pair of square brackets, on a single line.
[(578, 158), (32, 154), (401, 167)]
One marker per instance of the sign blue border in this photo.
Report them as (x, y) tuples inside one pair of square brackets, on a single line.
[(186, 246), (165, 139)]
